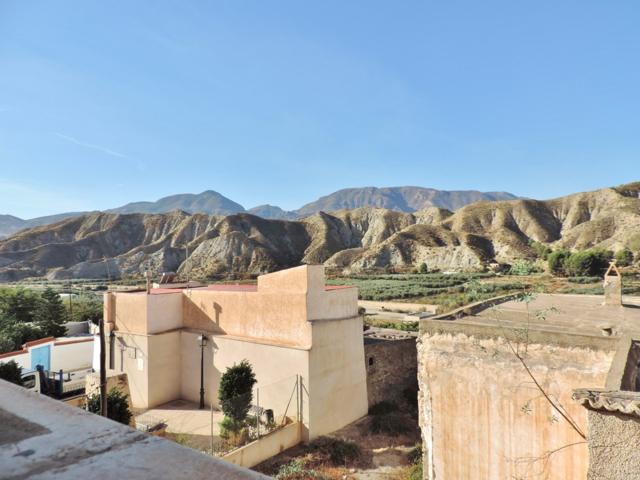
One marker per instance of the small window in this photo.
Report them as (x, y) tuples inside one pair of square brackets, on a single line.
[(370, 361)]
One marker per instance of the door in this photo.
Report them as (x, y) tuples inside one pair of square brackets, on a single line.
[(41, 356)]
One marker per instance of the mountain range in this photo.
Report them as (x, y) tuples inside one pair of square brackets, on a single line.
[(404, 199), (113, 245)]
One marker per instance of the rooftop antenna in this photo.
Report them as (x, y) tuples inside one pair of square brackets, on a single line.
[(186, 259), (147, 276)]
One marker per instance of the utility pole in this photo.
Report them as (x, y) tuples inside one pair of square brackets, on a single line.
[(103, 372)]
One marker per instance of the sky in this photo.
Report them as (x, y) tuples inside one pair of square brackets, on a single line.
[(281, 102)]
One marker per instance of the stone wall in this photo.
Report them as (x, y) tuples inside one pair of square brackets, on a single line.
[(391, 369), (613, 445)]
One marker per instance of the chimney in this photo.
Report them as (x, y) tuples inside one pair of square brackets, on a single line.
[(613, 286)]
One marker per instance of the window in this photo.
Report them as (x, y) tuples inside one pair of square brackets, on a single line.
[(370, 361)]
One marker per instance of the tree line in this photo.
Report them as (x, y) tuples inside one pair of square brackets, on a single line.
[(27, 315)]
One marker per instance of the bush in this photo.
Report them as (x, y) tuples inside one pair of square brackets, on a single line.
[(624, 257), (556, 261), (541, 250), (338, 450), (11, 372), (117, 406), (382, 408), (235, 393), (392, 424), (588, 263), (523, 267), (422, 269), (297, 470)]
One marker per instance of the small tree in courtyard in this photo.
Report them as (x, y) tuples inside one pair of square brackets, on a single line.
[(117, 406), (236, 393), (11, 372)]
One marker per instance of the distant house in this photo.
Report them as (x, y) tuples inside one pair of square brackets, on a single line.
[(296, 332), (482, 417)]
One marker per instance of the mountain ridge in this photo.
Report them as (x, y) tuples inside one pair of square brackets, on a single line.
[(213, 203), (111, 245)]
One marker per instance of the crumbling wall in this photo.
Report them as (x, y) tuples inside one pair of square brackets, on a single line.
[(483, 418), (613, 446), (391, 370)]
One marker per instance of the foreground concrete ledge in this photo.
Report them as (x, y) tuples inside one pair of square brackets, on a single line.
[(609, 400), (44, 438)]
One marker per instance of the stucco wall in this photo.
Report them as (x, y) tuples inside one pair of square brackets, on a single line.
[(72, 354), (337, 379), (131, 354), (66, 355), (482, 418), (164, 367), (275, 368), (276, 317), (392, 369), (613, 446), (266, 447)]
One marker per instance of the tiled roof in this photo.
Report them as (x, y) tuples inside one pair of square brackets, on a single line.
[(609, 400)]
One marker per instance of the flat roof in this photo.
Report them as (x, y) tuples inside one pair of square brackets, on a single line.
[(45, 438), (559, 314), (221, 287)]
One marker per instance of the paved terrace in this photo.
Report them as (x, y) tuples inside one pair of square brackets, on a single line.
[(575, 320), (44, 438)]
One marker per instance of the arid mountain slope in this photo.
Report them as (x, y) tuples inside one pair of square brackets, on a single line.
[(100, 245), (403, 199), (406, 199)]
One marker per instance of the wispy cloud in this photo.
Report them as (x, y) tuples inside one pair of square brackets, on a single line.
[(92, 146)]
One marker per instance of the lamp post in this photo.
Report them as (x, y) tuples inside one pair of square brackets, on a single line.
[(202, 340)]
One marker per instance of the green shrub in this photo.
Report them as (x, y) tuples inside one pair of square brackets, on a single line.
[(117, 406), (382, 408), (556, 261), (297, 470), (523, 268), (338, 450), (541, 250), (624, 257), (235, 392), (588, 263), (11, 372), (422, 269)]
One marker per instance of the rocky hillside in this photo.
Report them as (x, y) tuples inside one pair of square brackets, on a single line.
[(351, 240), (209, 202), (403, 199)]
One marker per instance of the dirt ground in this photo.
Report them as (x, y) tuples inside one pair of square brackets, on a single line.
[(382, 456)]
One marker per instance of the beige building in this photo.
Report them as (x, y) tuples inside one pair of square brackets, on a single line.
[(482, 417), (296, 332)]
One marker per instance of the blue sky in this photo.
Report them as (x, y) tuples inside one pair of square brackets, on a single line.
[(102, 103)]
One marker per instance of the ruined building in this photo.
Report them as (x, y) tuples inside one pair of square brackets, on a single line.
[(483, 417)]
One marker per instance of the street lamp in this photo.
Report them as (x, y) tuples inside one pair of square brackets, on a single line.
[(202, 340)]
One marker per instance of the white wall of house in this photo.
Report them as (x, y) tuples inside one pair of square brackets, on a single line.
[(66, 354)]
